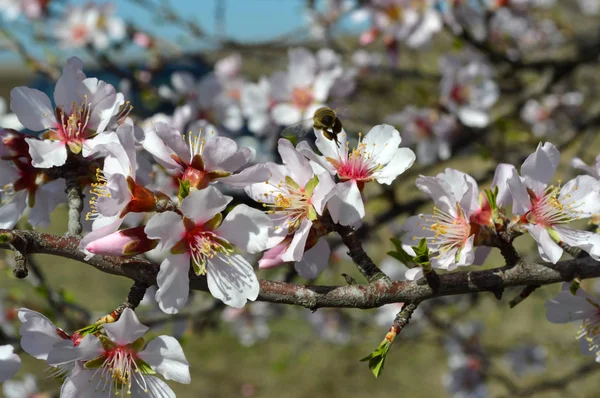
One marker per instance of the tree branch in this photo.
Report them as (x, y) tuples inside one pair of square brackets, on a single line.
[(363, 296)]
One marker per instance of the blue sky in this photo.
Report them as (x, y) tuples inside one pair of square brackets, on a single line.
[(246, 20)]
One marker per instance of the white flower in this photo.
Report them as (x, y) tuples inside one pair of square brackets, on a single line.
[(8, 120), (412, 22), (84, 107), (249, 323), (295, 197), (21, 389), (199, 237), (212, 100), (9, 362), (302, 89), (566, 307), (23, 186), (429, 130), (448, 230), (116, 192), (541, 115), (202, 158), (256, 102), (544, 209), (376, 157), (468, 90), (594, 171), (116, 363), (90, 24)]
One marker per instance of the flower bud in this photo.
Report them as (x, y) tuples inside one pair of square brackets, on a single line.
[(127, 242)]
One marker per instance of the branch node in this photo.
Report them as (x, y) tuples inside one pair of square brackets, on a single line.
[(526, 292)]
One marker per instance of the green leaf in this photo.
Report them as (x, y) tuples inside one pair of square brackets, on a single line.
[(400, 254), (312, 213), (311, 185), (377, 358), (184, 189)]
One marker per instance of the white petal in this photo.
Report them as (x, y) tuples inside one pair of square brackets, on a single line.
[(65, 352), (168, 227), (586, 240), (173, 140), (9, 362), (473, 117), (173, 283), (566, 307), (438, 190), (258, 173), (46, 153), (217, 151), (156, 388), (285, 114), (298, 166), (232, 280), (521, 202), (47, 197), (382, 143), (414, 274), (581, 194), (539, 167), (502, 174), (126, 329), (305, 149), (295, 250), (202, 205), (38, 333), (161, 153), (402, 160), (33, 108), (246, 228), (324, 190), (314, 260), (165, 355), (549, 250), (346, 205), (11, 212)]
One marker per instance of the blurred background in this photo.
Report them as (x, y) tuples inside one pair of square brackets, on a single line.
[(469, 84)]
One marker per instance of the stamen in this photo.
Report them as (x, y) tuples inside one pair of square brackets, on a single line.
[(99, 190)]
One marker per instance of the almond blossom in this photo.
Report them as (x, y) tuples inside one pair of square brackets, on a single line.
[(90, 24), (116, 193), (27, 388), (201, 236), (84, 108), (567, 307), (201, 159), (23, 186), (302, 89), (545, 209), (119, 362), (403, 20), (295, 197), (541, 115), (427, 129), (468, 89), (9, 362), (376, 157)]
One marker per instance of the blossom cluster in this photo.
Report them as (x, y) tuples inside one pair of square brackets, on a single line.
[(465, 222)]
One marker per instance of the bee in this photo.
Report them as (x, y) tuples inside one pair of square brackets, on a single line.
[(324, 119)]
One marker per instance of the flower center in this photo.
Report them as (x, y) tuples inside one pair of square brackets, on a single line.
[(424, 129), (550, 210), (72, 126), (450, 232), (590, 331), (459, 94), (79, 32), (120, 370), (302, 97), (358, 165), (290, 200), (204, 245)]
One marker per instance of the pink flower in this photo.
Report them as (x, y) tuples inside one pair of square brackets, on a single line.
[(545, 209), (84, 107), (201, 238), (376, 157), (295, 197)]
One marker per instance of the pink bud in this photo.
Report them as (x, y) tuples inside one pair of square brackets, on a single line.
[(272, 257), (127, 242)]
